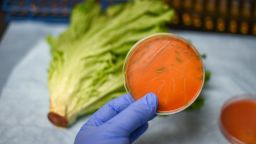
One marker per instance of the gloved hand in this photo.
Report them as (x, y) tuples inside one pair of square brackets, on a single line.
[(120, 121)]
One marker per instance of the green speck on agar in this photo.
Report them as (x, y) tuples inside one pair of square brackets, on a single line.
[(160, 70), (178, 59)]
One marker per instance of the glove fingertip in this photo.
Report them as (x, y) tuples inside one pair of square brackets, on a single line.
[(152, 101)]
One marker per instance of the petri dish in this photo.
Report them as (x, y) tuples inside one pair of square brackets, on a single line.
[(238, 120), (168, 66)]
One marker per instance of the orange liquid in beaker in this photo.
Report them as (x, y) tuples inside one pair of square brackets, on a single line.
[(238, 121)]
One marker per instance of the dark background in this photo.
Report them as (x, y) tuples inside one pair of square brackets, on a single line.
[(3, 23)]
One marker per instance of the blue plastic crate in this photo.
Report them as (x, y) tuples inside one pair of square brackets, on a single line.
[(45, 10)]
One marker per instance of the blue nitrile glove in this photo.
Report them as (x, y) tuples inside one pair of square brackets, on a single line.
[(120, 121)]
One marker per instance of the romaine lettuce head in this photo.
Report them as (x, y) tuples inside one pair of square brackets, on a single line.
[(87, 59)]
